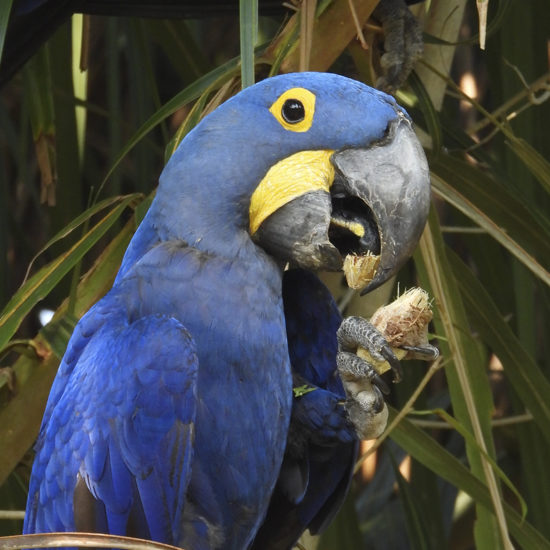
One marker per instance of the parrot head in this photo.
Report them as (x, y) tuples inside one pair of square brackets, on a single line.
[(319, 170)]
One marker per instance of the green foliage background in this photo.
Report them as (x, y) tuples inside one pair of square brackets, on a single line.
[(475, 430)]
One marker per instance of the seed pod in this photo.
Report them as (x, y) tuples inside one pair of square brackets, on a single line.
[(403, 322)]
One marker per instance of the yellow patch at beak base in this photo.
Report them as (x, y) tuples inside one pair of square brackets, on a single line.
[(290, 178)]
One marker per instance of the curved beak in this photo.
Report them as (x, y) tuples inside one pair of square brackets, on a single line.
[(392, 179), (365, 216)]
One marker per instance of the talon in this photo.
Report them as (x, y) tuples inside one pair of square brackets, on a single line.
[(426, 352), (356, 333), (395, 364), (379, 383), (379, 401)]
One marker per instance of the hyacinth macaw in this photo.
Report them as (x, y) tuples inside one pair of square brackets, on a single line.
[(172, 416)]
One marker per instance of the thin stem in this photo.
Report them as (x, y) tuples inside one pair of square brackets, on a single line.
[(12, 514), (496, 423), (457, 229), (541, 83), (360, 34)]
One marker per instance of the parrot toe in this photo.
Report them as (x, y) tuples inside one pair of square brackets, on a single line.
[(356, 332), (365, 407), (426, 352), (403, 43), (364, 386), (365, 389), (353, 369)]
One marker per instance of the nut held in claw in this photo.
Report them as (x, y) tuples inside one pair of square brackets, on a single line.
[(403, 322)]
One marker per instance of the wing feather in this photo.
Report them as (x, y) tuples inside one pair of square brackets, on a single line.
[(116, 443)]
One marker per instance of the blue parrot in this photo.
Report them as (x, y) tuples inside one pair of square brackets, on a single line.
[(173, 416)]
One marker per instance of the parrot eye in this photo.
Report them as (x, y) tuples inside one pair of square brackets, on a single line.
[(293, 111)]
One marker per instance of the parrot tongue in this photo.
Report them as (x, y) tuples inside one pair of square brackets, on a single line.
[(353, 231), (353, 228), (380, 201)]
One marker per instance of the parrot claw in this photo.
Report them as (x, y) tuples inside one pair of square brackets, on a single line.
[(425, 352), (365, 390), (395, 364), (379, 402), (355, 332), (379, 384), (403, 43), (353, 369)]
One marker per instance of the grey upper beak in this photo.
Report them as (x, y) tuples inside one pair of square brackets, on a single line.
[(392, 178)]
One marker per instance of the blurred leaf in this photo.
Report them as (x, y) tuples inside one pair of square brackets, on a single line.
[(77, 222), (40, 284), (69, 196), (35, 376), (458, 427), (24, 412), (191, 120), (178, 44), (143, 99), (58, 332), (431, 116), (13, 496), (248, 16), (493, 208), (519, 367), (198, 111), (188, 94), (307, 15), (415, 525), (80, 34), (534, 161), (468, 385), (38, 89), (427, 451), (494, 25), (343, 533), (5, 9), (333, 20)]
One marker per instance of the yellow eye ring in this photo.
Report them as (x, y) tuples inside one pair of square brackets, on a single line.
[(294, 109)]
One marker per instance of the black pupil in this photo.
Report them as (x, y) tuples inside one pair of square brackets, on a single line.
[(293, 111)]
